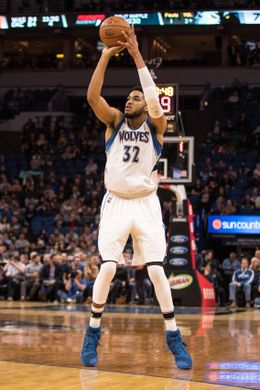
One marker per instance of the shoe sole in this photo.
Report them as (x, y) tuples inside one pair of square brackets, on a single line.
[(88, 364), (184, 368)]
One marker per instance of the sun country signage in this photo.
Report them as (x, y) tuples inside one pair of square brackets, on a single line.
[(234, 224)]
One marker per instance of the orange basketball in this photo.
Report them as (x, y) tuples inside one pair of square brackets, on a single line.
[(111, 29)]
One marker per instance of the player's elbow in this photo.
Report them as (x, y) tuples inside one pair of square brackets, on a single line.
[(91, 99)]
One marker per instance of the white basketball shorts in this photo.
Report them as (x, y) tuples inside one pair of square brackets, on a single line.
[(142, 218)]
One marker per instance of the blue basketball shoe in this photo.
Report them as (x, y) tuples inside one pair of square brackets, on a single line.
[(88, 356), (177, 346)]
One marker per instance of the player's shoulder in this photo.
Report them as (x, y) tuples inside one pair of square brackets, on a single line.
[(118, 119)]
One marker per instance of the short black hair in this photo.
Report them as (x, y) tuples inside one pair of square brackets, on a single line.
[(137, 88)]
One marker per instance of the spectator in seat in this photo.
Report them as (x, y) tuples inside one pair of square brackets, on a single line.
[(229, 266), (214, 277), (21, 242), (247, 204), (131, 277), (257, 298), (77, 263), (143, 284), (119, 285), (50, 279), (14, 274), (5, 226), (242, 278), (209, 258), (257, 253), (31, 278), (90, 272), (255, 266), (198, 260), (229, 208), (65, 262)]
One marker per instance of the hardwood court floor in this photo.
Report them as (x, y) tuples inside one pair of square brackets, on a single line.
[(40, 346)]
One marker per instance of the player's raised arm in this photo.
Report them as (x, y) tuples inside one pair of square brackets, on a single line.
[(106, 114), (149, 88)]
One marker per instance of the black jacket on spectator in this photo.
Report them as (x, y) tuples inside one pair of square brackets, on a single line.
[(45, 272)]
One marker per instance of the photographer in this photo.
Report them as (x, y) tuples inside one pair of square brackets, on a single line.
[(14, 275), (74, 286)]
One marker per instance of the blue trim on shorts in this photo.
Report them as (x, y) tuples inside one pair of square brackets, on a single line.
[(110, 141)]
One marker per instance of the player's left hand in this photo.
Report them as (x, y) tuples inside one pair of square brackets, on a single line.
[(130, 43), (110, 51)]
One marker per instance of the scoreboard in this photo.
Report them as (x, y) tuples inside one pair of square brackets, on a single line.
[(161, 19), (169, 97)]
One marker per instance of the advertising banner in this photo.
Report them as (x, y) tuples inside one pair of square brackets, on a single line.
[(234, 224), (190, 288)]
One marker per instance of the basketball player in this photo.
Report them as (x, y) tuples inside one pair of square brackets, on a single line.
[(133, 145)]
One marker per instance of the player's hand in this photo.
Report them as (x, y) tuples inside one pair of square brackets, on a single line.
[(130, 42), (111, 51)]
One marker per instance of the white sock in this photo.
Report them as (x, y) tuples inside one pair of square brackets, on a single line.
[(101, 290), (163, 294), (95, 322), (171, 324)]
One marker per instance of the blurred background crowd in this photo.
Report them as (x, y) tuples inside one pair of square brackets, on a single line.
[(51, 190)]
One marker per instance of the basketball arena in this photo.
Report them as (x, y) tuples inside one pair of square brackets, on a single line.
[(129, 190)]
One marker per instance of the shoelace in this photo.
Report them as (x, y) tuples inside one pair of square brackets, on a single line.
[(176, 347), (180, 351), (92, 340)]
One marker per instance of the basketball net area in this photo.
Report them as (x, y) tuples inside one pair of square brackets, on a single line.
[(176, 165)]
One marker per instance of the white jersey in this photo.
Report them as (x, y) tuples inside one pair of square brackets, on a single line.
[(132, 155)]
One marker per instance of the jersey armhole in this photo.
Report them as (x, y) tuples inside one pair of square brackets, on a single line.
[(110, 141), (157, 145)]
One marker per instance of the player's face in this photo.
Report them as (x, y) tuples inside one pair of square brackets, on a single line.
[(135, 104)]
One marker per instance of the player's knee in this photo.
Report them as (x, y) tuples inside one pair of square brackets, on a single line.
[(156, 273), (108, 270)]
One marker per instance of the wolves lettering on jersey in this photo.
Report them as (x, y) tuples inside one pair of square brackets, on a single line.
[(134, 135), (131, 157)]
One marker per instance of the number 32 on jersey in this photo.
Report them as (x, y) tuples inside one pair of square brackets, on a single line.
[(131, 153)]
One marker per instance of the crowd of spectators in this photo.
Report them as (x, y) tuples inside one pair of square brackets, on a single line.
[(243, 54), (23, 60), (68, 278), (239, 54), (155, 5), (25, 6), (228, 166), (62, 277), (19, 100), (49, 61), (236, 279)]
